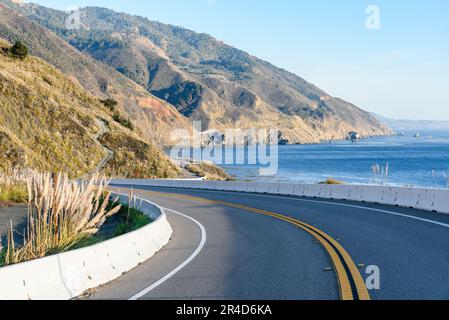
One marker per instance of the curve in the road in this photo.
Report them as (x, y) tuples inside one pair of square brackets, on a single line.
[(330, 202), (248, 257), (351, 284), (182, 265)]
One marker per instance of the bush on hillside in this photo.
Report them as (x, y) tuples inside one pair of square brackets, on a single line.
[(111, 104), (123, 121), (209, 171), (19, 50)]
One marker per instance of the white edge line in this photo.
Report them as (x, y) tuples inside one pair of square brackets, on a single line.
[(321, 202), (182, 265), (354, 206)]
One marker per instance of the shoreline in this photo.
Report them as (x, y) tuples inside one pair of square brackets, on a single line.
[(166, 148), (352, 163)]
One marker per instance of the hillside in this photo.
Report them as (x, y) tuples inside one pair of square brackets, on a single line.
[(49, 122), (414, 125), (153, 117), (206, 79)]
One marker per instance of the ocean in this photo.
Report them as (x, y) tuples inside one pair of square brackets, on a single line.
[(411, 161)]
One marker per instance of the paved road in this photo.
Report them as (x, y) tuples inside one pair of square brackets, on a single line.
[(249, 255), (15, 215)]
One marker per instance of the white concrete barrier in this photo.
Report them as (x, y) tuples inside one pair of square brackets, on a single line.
[(299, 190), (67, 275), (405, 197), (229, 186), (206, 185), (418, 198), (221, 186), (441, 206), (241, 186), (286, 188), (262, 187), (251, 187), (375, 195), (271, 188), (312, 190)]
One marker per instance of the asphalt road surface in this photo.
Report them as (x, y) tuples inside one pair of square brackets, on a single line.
[(245, 246)]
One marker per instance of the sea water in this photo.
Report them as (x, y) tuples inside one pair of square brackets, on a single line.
[(414, 161)]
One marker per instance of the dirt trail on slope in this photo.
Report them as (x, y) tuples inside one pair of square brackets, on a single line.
[(109, 153)]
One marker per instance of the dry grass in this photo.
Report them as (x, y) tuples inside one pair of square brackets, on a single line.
[(15, 176), (13, 186), (332, 181), (13, 194), (45, 126), (48, 123), (209, 171), (62, 212), (135, 158), (380, 173)]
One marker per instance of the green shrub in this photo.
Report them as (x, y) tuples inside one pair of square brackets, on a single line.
[(13, 193), (19, 51), (123, 121), (131, 219), (2, 257), (88, 241), (127, 219), (111, 104)]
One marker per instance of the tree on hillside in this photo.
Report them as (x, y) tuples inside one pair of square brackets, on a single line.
[(110, 103), (19, 50)]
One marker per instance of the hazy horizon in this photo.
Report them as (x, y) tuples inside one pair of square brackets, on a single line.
[(400, 71)]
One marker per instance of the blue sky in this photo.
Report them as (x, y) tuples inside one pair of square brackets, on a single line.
[(400, 70)]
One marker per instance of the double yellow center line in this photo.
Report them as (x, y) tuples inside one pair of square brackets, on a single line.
[(351, 283)]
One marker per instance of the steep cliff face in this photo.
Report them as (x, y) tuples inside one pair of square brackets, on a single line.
[(208, 80), (153, 117)]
